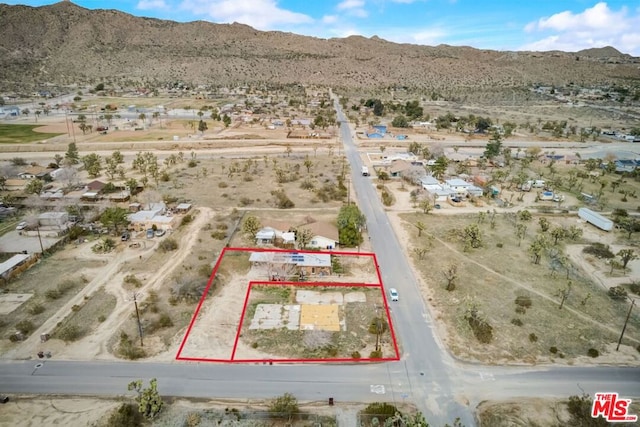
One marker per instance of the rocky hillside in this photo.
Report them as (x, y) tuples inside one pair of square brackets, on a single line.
[(64, 43)]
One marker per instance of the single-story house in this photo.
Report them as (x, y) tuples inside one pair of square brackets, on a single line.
[(272, 236), (155, 214), (475, 191), (324, 235), (183, 208), (458, 185), (95, 186), (39, 172), (398, 167), (293, 263), (430, 183), (442, 194)]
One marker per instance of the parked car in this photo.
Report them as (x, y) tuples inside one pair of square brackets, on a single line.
[(125, 236), (150, 233), (22, 225), (393, 293), (4, 399)]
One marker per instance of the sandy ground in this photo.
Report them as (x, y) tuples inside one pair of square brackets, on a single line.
[(36, 411), (94, 346)]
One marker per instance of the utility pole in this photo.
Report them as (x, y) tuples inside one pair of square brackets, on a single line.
[(135, 302), (633, 301), (40, 239)]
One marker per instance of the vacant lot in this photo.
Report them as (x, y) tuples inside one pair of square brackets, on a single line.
[(498, 284)]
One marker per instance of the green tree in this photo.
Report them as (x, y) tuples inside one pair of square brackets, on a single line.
[(115, 217), (202, 126), (426, 206), (626, 256), (440, 167), (72, 156), (92, 164), (544, 224), (420, 226), (494, 146), (226, 120), (400, 122), (303, 237), (149, 400), (251, 226), (472, 236), (34, 186), (558, 233), (308, 163), (350, 223), (537, 247)]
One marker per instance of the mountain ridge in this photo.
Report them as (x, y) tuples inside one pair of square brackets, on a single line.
[(65, 43)]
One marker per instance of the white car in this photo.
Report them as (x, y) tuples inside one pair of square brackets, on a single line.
[(393, 293), (21, 226)]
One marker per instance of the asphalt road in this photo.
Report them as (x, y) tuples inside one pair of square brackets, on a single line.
[(427, 376)]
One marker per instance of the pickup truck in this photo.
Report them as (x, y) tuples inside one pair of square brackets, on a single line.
[(365, 171)]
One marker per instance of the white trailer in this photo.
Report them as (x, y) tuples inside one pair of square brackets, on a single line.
[(596, 219), (365, 171)]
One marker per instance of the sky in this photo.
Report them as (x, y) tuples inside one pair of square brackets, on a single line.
[(537, 25)]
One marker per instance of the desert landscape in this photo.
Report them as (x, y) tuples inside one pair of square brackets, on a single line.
[(189, 223)]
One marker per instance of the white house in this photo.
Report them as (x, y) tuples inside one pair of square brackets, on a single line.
[(458, 185), (442, 194), (475, 191), (430, 183), (320, 242)]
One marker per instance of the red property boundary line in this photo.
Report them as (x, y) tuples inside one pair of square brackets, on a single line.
[(300, 284)]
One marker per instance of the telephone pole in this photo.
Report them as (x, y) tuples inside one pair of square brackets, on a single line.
[(135, 302), (633, 301)]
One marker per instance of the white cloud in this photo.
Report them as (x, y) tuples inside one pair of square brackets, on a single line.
[(260, 14), (151, 5), (353, 8), (329, 19), (597, 26)]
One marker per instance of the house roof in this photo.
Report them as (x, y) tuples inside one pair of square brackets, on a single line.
[(399, 166), (183, 206), (267, 233), (36, 170), (322, 229), (457, 182), (429, 180), (95, 185), (296, 258)]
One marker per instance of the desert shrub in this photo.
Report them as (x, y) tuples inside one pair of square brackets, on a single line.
[(245, 201), (387, 198), (375, 354), (306, 185), (222, 184), (222, 226), (76, 307), (592, 352), (219, 235), (165, 321), (75, 232), (524, 215), (102, 318), (553, 349), (192, 163), (53, 294), (70, 333), (284, 406), (193, 419), (18, 161), (533, 337), (380, 410), (523, 301), (168, 245), (356, 355), (635, 288), (104, 246), (205, 270), (127, 349), (482, 330), (189, 291), (617, 292), (520, 310), (579, 408), (254, 344), (25, 327), (127, 415), (282, 201), (516, 322), (499, 245), (186, 219), (35, 309), (599, 250), (132, 280)]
